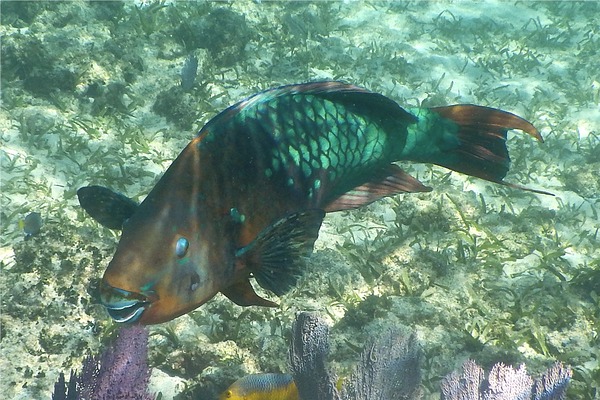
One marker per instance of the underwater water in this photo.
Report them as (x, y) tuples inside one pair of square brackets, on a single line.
[(108, 93)]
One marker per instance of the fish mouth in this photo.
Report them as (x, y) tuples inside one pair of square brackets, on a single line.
[(122, 305)]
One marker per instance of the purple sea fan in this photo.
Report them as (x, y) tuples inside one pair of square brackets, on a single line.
[(552, 385), (464, 385), (121, 372), (505, 383)]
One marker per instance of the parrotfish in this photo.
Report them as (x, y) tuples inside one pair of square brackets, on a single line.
[(262, 387), (246, 197)]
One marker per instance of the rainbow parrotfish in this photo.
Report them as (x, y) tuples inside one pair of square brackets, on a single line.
[(246, 197)]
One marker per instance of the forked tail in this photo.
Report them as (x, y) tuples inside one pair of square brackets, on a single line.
[(482, 148)]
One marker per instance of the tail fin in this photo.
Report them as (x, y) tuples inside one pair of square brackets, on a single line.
[(482, 135)]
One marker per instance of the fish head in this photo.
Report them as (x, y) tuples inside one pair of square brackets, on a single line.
[(165, 264)]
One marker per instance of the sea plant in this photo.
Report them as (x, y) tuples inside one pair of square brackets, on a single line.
[(120, 372)]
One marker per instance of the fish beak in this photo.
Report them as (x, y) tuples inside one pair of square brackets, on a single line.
[(123, 305)]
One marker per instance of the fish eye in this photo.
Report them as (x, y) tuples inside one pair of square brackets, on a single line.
[(181, 247)]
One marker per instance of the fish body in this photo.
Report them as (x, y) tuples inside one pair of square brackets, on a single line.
[(31, 224), (247, 195), (262, 387), (188, 73)]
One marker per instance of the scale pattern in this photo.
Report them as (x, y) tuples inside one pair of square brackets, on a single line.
[(312, 139)]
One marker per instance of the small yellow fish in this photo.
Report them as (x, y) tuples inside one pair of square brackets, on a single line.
[(262, 387)]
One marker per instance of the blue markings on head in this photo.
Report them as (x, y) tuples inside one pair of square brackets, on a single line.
[(147, 286), (181, 247), (236, 215)]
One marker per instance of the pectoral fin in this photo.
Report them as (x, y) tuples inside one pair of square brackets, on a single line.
[(108, 208), (275, 256)]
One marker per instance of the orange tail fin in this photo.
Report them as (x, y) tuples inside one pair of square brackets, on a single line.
[(482, 135)]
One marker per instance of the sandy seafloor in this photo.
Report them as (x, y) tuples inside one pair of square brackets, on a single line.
[(477, 270)]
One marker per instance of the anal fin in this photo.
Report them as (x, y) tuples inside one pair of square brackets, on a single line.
[(387, 182)]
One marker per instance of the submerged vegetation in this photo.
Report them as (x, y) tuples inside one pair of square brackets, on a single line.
[(477, 270)]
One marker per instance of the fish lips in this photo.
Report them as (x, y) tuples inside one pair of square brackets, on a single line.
[(123, 305)]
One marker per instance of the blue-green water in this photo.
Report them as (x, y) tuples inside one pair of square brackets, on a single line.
[(92, 94)]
